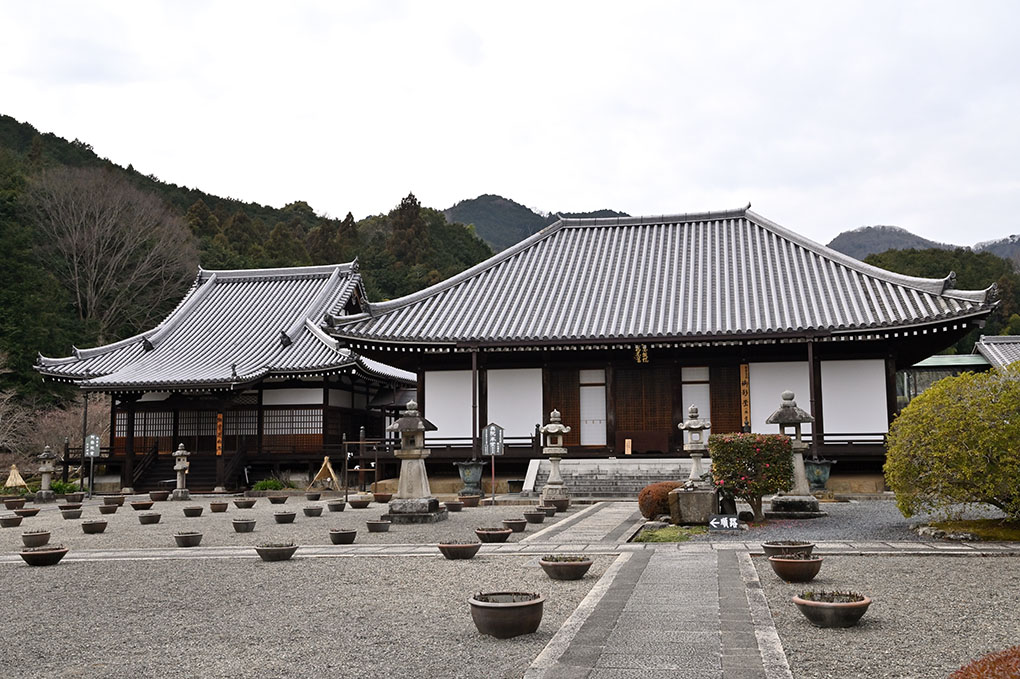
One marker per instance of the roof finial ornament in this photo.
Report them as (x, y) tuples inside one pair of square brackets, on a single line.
[(233, 370), (284, 338)]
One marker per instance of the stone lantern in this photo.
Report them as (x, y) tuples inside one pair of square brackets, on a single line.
[(790, 418), (413, 502), (554, 431), (695, 446), (46, 469), (181, 465)]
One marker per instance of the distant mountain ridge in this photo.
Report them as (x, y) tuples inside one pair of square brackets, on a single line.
[(501, 222), (872, 240)]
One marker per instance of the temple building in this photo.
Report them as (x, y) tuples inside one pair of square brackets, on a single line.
[(242, 374), (622, 323)]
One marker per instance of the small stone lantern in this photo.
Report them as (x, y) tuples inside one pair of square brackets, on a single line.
[(790, 418), (554, 431), (46, 469), (413, 502), (695, 446), (181, 465)]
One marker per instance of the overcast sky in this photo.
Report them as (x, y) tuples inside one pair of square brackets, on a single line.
[(825, 116)]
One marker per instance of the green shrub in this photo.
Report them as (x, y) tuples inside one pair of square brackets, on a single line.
[(957, 443), (751, 465), (269, 484), (1000, 665), (61, 488), (653, 499)]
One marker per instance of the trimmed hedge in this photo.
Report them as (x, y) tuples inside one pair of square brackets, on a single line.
[(653, 499), (1000, 665)]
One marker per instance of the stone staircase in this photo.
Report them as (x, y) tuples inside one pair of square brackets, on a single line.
[(611, 478)]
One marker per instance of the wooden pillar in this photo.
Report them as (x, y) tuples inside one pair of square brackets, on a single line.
[(260, 424), (610, 407), (483, 396), (815, 387), (476, 447), (127, 477), (890, 387), (420, 389)]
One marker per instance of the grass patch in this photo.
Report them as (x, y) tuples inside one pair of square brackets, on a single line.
[(671, 534), (985, 529)]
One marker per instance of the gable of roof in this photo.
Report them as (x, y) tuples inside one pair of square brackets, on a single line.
[(999, 350), (233, 327), (713, 274)]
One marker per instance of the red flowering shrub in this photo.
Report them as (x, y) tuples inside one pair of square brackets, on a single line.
[(1001, 665), (654, 498), (751, 465)]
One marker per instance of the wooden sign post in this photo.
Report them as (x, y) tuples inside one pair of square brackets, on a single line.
[(492, 445)]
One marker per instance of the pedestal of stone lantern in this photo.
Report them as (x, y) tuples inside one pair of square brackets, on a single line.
[(46, 469), (413, 502), (554, 488), (181, 467)]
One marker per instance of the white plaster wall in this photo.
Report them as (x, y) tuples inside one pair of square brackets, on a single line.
[(768, 382), (448, 403), (340, 398), (854, 397), (514, 400), (292, 397)]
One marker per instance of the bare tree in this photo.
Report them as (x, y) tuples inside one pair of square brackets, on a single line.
[(123, 254)]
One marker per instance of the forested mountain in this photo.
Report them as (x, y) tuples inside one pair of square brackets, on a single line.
[(91, 252), (501, 222), (870, 240)]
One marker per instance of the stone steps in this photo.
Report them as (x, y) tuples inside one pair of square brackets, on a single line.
[(610, 478)]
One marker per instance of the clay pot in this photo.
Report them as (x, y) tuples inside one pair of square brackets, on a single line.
[(75, 497), (454, 551), (141, 505), (516, 525), (359, 502), (48, 555), (378, 526), (114, 500), (27, 511), (69, 505), (272, 552), (15, 503), (506, 614), (159, 495), (549, 510), (217, 507), (108, 509), (312, 497), (93, 526), (336, 505), (10, 521), (37, 539), (149, 518), (493, 534), (382, 498), (796, 570), (832, 614), (243, 525), (785, 547), (560, 505), (470, 500), (284, 517), (188, 539), (534, 517), (342, 536), (192, 512), (454, 505), (312, 510), (71, 513), (565, 567), (278, 499), (244, 503)]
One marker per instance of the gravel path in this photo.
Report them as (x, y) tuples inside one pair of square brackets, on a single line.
[(866, 521), (929, 616), (123, 529), (342, 617)]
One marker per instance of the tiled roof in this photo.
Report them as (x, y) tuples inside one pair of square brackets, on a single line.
[(706, 275), (232, 328), (1000, 350)]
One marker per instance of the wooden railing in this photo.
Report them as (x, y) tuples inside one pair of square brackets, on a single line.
[(144, 463)]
